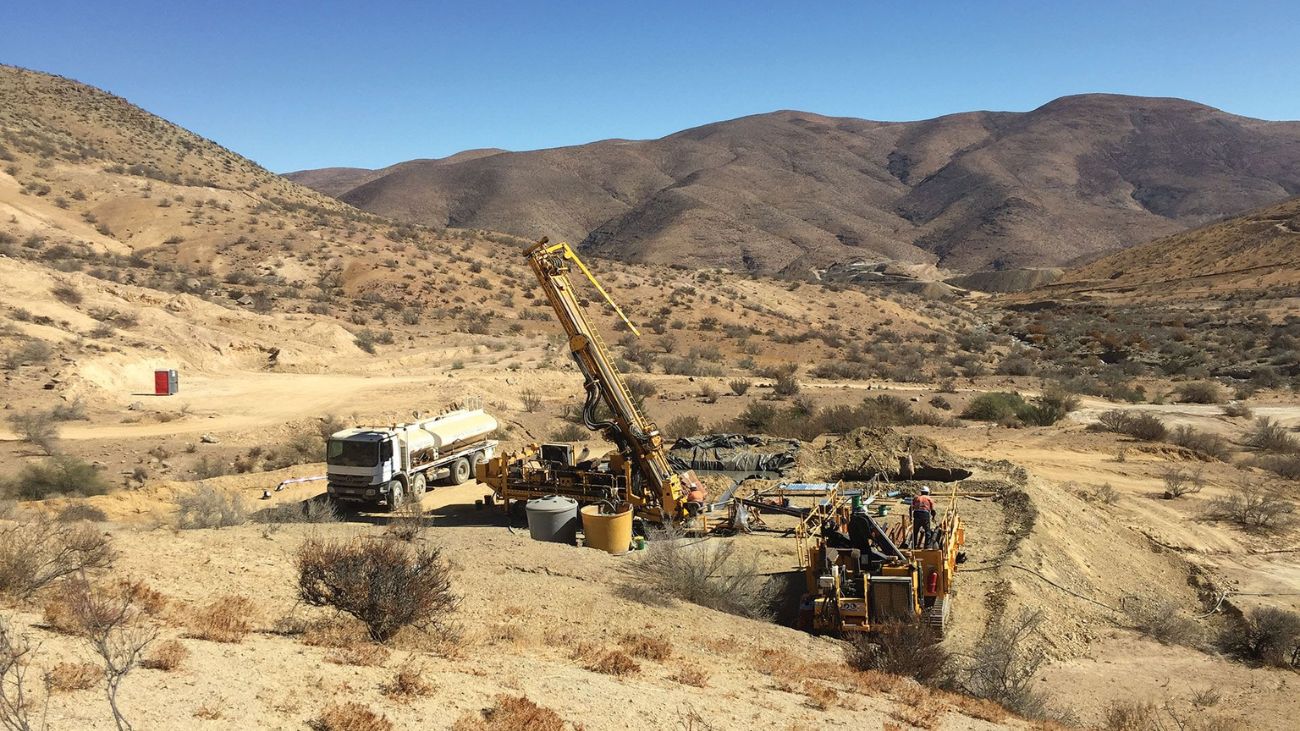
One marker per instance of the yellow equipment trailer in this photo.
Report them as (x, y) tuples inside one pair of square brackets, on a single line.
[(862, 573)]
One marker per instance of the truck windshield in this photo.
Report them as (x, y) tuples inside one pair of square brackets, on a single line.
[(352, 454)]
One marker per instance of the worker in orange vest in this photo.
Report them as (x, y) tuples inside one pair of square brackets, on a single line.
[(695, 499), (922, 518)]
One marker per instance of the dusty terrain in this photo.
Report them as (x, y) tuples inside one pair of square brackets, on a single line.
[(1079, 176)]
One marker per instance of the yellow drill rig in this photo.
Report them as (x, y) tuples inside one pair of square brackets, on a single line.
[(864, 573), (637, 471)]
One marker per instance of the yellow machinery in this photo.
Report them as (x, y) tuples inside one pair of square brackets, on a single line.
[(637, 471), (862, 573)]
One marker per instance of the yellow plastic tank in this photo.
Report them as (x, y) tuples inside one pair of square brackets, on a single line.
[(610, 532)]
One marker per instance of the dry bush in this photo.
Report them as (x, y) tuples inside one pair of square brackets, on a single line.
[(647, 647), (306, 511), (365, 655), (511, 713), (1237, 410), (1139, 425), (1269, 436), (228, 619), (1162, 620), (386, 584), (209, 711), (59, 475), (692, 675), (1266, 635), (167, 656), (532, 400), (613, 662), (1253, 508), (69, 676), (1180, 482), (37, 428), (905, 648), (204, 506), (739, 386), (81, 511), (17, 707), (1002, 665), (1287, 466), (981, 708), (719, 574), (1210, 445), (37, 551), (350, 717), (875, 682), (918, 707), (820, 696), (407, 683), (407, 522), (148, 599), (1200, 392)]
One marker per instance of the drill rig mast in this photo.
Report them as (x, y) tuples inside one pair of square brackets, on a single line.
[(638, 471)]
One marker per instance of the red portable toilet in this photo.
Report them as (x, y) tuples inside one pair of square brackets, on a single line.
[(164, 383)]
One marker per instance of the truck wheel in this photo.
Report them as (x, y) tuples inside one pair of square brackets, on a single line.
[(418, 486), (395, 496), (460, 471), (474, 460)]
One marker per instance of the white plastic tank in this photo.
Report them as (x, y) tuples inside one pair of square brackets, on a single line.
[(450, 429)]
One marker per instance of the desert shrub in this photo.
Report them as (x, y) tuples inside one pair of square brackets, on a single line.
[(1237, 410), (58, 475), (1269, 436), (683, 426), (350, 716), (996, 406), (67, 294), (757, 416), (74, 410), (907, 649), (1002, 665), (612, 662), (386, 584), (166, 656), (1210, 445), (641, 389), (1180, 482), (69, 676), (739, 386), (1251, 507), (647, 647), (532, 400), (1139, 425), (306, 511), (570, 433), (81, 511), (37, 428), (330, 424), (719, 574), (511, 713), (786, 384), (30, 352), (408, 522), (204, 506), (692, 675), (365, 340), (1265, 635), (38, 551), (1162, 620), (1287, 466), (1200, 392), (940, 402), (228, 619), (407, 683), (365, 655)]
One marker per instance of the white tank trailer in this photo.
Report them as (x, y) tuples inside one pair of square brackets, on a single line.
[(383, 467)]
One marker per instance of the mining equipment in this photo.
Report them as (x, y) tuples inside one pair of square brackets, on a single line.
[(637, 470), (384, 466), (862, 574)]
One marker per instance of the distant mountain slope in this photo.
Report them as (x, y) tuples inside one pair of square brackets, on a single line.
[(1259, 250), (984, 190)]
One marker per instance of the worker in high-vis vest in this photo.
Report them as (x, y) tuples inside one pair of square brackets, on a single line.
[(922, 518)]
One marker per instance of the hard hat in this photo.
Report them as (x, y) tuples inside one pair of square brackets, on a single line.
[(925, 491)]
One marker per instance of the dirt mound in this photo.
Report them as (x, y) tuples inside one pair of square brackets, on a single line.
[(864, 453)]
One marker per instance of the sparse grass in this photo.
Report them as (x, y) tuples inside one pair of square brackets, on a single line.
[(350, 716), (361, 655), (612, 662), (204, 506), (720, 574), (167, 656), (228, 620), (692, 675), (65, 677), (386, 584), (511, 713), (646, 647), (408, 683)]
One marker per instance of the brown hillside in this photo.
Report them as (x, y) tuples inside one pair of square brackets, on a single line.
[(783, 191)]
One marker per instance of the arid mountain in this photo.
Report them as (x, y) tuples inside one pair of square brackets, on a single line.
[(776, 192), (1259, 251)]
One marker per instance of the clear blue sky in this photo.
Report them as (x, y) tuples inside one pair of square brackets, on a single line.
[(296, 84)]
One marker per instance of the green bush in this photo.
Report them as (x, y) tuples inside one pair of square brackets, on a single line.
[(1210, 445), (1200, 392), (59, 475), (995, 406)]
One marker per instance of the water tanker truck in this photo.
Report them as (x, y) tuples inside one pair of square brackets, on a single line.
[(383, 467)]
